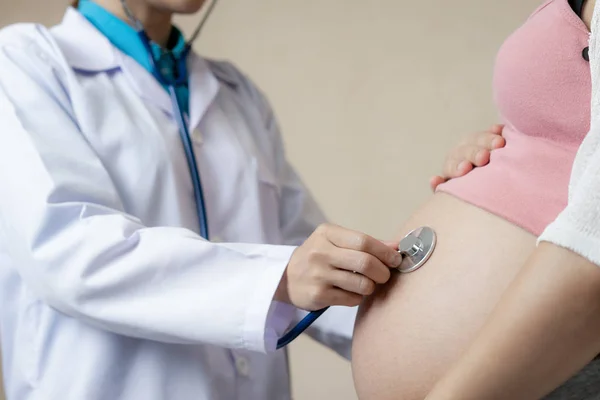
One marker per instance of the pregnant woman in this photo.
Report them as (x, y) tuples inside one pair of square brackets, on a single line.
[(409, 333)]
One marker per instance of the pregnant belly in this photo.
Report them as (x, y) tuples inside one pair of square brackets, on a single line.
[(413, 328)]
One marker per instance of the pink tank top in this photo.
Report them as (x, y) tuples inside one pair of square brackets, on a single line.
[(542, 87)]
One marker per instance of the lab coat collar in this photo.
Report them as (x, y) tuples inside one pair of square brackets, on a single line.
[(88, 50), (84, 48), (203, 86)]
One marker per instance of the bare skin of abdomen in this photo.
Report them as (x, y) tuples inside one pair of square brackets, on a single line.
[(414, 327)]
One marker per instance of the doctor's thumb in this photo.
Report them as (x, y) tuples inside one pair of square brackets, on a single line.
[(391, 244)]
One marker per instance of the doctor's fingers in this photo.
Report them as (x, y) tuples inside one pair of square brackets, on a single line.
[(351, 282), (361, 265), (340, 297), (360, 242)]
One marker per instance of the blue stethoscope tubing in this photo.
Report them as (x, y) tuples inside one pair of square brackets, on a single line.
[(180, 79), (172, 84), (299, 328)]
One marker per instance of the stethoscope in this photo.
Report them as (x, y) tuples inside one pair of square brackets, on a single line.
[(180, 79), (416, 247)]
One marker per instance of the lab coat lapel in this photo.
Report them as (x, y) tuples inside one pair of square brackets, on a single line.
[(84, 48), (203, 86), (145, 85), (89, 50)]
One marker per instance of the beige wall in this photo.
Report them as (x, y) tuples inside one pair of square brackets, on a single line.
[(370, 95)]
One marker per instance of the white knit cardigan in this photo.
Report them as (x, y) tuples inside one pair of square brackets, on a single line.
[(578, 227)]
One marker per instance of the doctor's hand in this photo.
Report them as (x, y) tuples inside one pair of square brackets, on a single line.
[(336, 266), (474, 151)]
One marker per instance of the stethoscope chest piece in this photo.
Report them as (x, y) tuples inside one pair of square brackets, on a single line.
[(416, 247)]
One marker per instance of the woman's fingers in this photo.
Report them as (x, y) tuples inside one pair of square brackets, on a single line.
[(475, 151)]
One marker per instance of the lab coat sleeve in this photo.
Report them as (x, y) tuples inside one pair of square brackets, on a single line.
[(64, 226), (334, 329), (300, 215)]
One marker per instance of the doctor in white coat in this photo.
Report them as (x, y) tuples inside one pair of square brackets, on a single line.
[(107, 290)]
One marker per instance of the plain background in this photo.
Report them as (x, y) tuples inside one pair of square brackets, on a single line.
[(370, 95)]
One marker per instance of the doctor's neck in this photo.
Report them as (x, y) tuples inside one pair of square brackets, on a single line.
[(156, 22)]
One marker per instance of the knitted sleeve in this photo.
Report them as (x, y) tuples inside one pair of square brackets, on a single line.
[(578, 227)]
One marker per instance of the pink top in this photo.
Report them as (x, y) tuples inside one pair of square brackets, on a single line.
[(542, 88)]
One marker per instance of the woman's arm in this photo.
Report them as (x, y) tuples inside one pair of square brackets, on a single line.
[(544, 330)]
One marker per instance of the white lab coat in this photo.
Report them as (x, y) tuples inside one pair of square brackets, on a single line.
[(106, 290)]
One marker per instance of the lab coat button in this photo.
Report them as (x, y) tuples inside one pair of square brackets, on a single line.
[(197, 135), (42, 56), (243, 366)]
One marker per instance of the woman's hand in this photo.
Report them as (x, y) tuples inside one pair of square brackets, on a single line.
[(473, 152), (336, 266)]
